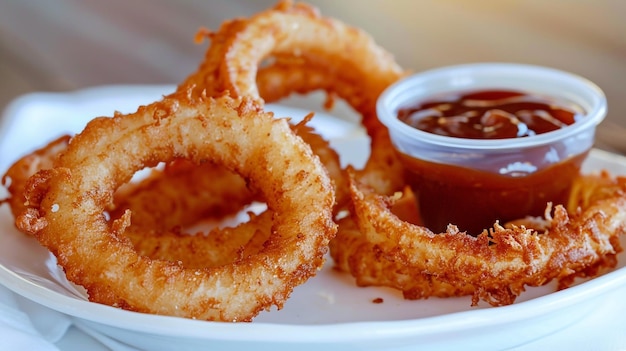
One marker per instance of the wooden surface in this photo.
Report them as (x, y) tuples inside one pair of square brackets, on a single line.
[(59, 45)]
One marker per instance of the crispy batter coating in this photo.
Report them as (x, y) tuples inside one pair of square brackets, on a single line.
[(235, 133), (167, 241), (501, 262), (181, 195), (17, 175)]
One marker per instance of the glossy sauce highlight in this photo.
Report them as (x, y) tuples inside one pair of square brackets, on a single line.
[(490, 114)]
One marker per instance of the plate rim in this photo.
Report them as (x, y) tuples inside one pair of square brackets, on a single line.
[(342, 331)]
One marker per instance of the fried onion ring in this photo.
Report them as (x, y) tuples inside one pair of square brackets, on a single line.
[(205, 81), (181, 195), (216, 247), (75, 194), (499, 263)]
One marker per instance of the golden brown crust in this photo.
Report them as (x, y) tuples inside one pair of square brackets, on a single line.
[(224, 131), (182, 194), (500, 263), (17, 175)]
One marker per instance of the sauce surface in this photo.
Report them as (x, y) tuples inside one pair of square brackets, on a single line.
[(490, 114)]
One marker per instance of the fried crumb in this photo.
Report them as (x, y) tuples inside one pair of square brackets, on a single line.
[(330, 298)]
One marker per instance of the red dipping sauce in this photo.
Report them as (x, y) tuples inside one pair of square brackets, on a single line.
[(490, 114), (475, 199)]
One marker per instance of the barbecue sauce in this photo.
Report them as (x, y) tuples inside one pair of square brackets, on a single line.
[(490, 114), (473, 199)]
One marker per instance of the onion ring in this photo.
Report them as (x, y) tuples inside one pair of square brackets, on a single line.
[(280, 165), (303, 64), (179, 196), (571, 246), (217, 247)]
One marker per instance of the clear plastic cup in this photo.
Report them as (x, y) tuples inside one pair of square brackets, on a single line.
[(520, 174)]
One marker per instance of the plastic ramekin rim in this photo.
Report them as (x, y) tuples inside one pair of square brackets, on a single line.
[(387, 111)]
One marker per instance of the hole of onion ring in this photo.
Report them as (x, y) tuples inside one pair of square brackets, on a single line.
[(200, 225)]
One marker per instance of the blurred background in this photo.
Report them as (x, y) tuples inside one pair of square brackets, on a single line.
[(61, 45)]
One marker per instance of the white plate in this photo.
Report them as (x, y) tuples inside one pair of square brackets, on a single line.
[(328, 312)]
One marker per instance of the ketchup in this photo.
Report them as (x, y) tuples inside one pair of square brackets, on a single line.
[(475, 199), (490, 114)]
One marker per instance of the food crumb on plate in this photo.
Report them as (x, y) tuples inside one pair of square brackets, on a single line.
[(329, 297)]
